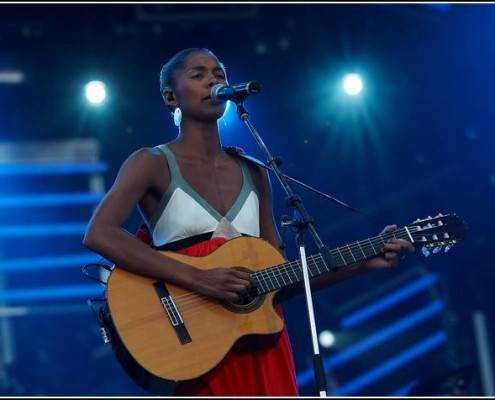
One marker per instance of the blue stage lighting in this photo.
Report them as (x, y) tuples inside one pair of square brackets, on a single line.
[(95, 92), (391, 300), (353, 84)]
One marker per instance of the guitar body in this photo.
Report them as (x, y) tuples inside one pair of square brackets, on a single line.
[(211, 326), (163, 334)]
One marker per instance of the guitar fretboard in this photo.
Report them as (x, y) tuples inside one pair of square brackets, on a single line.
[(286, 274)]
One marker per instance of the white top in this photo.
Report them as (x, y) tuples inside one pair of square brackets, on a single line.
[(182, 212)]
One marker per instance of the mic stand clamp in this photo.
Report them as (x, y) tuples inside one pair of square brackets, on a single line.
[(306, 222)]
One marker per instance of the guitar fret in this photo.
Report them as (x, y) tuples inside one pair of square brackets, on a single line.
[(317, 260), (262, 283), (263, 276), (293, 268), (373, 247), (321, 261), (285, 270), (407, 235), (311, 271), (314, 263), (345, 253), (341, 256), (351, 253), (283, 280), (294, 271), (274, 279), (270, 283), (270, 272), (360, 248)]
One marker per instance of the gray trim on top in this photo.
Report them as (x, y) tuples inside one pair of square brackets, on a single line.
[(177, 181)]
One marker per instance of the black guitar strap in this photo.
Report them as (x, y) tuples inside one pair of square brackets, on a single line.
[(239, 152)]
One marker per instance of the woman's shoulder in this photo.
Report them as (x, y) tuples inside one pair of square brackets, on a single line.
[(147, 154), (145, 158)]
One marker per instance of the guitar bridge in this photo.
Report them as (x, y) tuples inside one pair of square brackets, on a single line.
[(172, 312)]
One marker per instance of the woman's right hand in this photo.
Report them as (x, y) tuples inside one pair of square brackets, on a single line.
[(223, 283)]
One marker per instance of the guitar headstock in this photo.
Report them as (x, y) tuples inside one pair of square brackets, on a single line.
[(437, 233)]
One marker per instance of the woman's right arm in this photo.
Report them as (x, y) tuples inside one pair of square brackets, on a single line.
[(106, 235)]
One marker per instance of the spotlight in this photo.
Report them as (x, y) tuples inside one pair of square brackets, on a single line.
[(326, 338), (11, 76), (353, 84), (95, 92)]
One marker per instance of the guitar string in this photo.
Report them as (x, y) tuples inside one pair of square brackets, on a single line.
[(287, 268), (280, 272), (193, 295), (185, 308), (335, 252), (183, 301), (188, 308)]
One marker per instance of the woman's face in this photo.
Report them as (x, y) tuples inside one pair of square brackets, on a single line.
[(193, 85)]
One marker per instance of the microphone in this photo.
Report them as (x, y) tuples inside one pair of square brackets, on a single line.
[(236, 93)]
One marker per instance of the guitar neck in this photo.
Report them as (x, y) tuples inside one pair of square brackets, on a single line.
[(280, 276)]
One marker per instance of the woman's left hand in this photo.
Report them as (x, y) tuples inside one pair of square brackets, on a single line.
[(393, 251)]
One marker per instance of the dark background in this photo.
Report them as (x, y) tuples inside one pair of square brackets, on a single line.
[(418, 142)]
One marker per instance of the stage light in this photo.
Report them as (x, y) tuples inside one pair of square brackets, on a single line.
[(353, 84), (326, 339), (11, 77), (95, 92), (393, 299), (391, 364)]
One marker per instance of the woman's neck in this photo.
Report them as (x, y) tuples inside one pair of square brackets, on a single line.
[(202, 140)]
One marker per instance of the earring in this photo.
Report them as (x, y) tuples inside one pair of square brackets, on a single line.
[(177, 116)]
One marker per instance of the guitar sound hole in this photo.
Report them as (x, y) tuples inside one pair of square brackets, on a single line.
[(248, 302), (245, 300)]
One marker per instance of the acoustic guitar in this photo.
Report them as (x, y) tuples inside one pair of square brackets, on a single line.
[(170, 333)]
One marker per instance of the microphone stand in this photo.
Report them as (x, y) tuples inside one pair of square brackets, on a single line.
[(306, 222)]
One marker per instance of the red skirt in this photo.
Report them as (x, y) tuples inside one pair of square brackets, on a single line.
[(253, 366)]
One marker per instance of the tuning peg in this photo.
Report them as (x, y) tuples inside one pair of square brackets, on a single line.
[(425, 251), (447, 248), (439, 215), (436, 249)]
